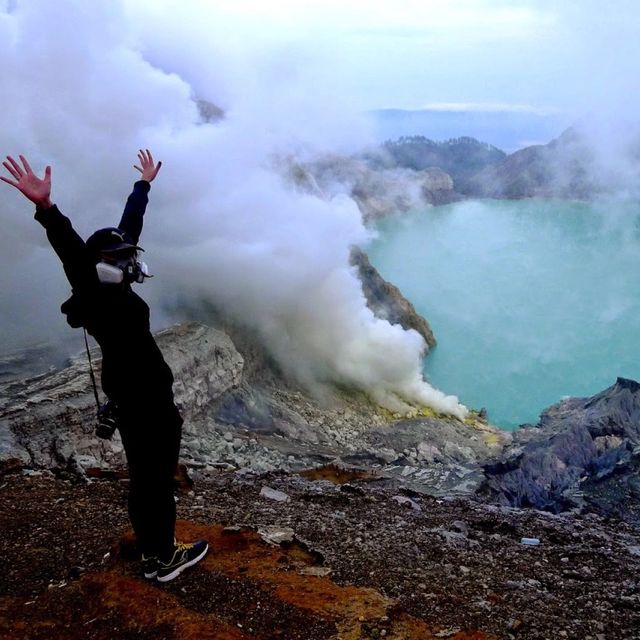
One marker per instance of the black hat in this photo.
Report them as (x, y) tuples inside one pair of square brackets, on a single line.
[(110, 239)]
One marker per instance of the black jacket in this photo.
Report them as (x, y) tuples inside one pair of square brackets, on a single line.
[(133, 369)]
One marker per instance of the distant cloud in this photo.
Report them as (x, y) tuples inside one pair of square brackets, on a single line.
[(490, 107)]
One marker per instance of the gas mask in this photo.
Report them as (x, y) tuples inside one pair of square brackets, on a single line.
[(128, 269)]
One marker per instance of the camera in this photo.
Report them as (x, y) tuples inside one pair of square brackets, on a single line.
[(108, 420)]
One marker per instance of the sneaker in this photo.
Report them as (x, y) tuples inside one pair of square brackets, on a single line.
[(184, 555), (150, 566)]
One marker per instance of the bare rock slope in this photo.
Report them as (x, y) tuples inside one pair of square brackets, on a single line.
[(47, 421), (238, 418), (584, 454), (386, 300)]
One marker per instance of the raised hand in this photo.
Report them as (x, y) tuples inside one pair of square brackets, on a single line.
[(149, 169), (38, 190)]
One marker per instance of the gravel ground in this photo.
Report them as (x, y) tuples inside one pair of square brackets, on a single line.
[(454, 564)]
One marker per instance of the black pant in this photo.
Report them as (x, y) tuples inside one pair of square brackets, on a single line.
[(151, 431)]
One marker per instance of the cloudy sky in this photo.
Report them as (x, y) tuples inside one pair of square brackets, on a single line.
[(544, 55)]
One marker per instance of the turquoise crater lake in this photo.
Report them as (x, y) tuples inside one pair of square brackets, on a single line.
[(529, 300)]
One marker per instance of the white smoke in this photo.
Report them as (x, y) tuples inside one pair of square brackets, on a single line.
[(85, 85)]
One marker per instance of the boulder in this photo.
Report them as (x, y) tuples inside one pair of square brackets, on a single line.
[(584, 453), (48, 420)]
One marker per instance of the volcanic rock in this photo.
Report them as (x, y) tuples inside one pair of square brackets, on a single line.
[(241, 413), (378, 191), (566, 167), (386, 300), (584, 453), (48, 421)]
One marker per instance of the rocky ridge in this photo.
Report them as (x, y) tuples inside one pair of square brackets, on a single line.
[(235, 418), (414, 172), (461, 158), (584, 454), (386, 301), (378, 191), (566, 167)]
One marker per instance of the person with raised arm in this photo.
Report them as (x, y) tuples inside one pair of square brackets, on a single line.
[(135, 377)]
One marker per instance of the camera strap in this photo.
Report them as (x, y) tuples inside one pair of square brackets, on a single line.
[(93, 377)]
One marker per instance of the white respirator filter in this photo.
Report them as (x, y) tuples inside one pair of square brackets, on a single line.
[(108, 274), (142, 271)]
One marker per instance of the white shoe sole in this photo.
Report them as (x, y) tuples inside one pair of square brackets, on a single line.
[(178, 570)]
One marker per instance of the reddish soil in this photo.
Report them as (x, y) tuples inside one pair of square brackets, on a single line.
[(362, 566)]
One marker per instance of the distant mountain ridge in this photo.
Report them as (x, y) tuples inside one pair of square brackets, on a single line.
[(573, 165), (414, 172), (508, 128), (566, 167), (460, 157)]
